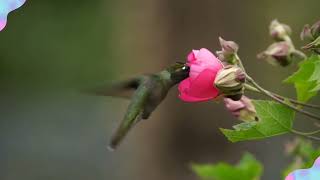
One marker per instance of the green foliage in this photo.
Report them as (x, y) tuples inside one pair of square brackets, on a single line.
[(248, 169), (304, 155), (274, 119), (306, 80)]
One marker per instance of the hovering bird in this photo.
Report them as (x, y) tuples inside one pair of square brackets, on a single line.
[(146, 93)]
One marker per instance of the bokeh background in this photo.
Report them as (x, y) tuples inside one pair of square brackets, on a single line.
[(51, 49)]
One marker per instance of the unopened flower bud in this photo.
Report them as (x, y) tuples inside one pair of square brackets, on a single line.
[(281, 53), (228, 46), (277, 54), (315, 29), (279, 31), (230, 81), (242, 109), (306, 33), (314, 45), (310, 33), (228, 51)]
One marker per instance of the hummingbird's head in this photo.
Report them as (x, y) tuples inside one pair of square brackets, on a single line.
[(178, 71)]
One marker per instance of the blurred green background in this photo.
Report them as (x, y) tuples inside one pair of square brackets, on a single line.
[(52, 49)]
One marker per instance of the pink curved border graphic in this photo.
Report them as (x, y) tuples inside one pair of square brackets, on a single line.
[(312, 173), (6, 6)]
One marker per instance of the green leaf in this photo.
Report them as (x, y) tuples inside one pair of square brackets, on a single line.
[(307, 79), (248, 169), (274, 119)]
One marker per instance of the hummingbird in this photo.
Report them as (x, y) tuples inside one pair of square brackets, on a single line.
[(146, 92)]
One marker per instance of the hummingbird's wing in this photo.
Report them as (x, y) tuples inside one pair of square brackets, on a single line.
[(132, 116), (154, 100), (123, 88)]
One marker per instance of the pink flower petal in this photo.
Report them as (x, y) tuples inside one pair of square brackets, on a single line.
[(183, 88), (204, 60), (203, 85), (233, 105), (199, 89), (195, 70), (205, 55), (192, 55)]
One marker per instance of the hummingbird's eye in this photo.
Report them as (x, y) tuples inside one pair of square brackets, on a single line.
[(185, 68)]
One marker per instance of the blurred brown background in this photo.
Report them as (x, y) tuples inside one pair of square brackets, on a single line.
[(51, 49)]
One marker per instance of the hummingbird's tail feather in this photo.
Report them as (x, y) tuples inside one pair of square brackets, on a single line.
[(132, 116), (121, 133), (117, 89)]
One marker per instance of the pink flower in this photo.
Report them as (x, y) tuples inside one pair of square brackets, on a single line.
[(204, 67), (242, 109)]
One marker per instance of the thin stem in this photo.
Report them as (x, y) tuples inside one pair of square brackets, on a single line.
[(240, 63), (297, 102), (267, 93), (313, 138), (249, 87), (306, 133), (299, 53), (288, 39), (309, 137)]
